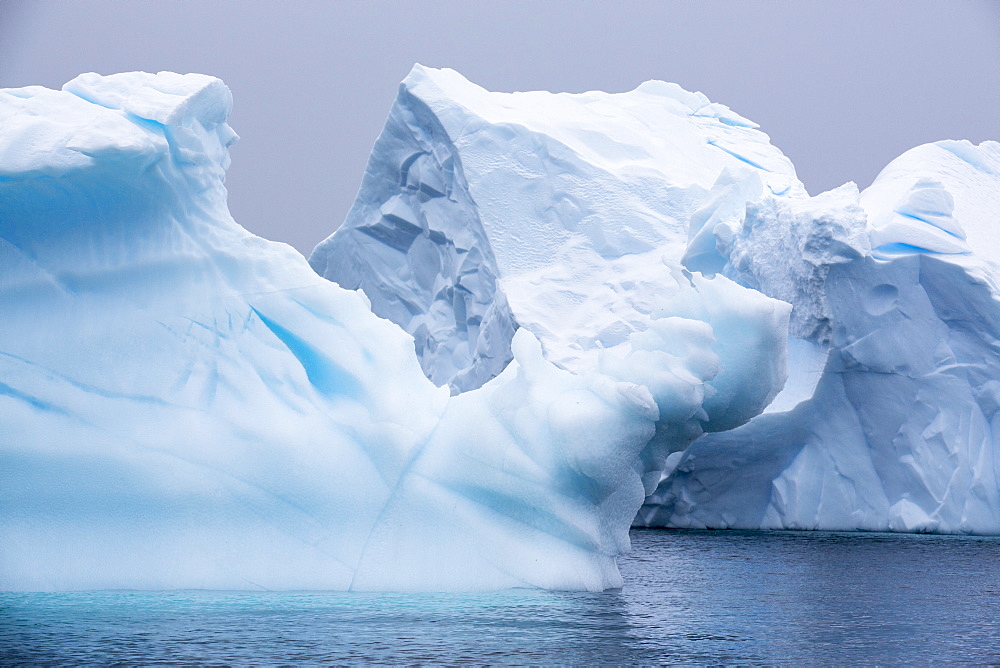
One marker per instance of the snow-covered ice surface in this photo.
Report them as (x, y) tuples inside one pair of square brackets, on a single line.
[(570, 215), (185, 405)]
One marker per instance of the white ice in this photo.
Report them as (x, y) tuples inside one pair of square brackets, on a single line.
[(599, 279)]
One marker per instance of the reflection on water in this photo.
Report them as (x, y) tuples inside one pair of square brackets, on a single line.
[(690, 596)]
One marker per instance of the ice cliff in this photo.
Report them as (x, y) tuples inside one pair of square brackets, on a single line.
[(569, 215), (185, 405)]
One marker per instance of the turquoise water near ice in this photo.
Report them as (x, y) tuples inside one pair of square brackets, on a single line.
[(690, 597)]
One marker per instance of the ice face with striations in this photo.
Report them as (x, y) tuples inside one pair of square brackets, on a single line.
[(183, 404), (890, 417)]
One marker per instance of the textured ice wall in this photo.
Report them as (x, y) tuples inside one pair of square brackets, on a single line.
[(185, 405), (889, 421), (480, 212), (416, 246)]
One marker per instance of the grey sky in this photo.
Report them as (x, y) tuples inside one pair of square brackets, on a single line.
[(841, 87)]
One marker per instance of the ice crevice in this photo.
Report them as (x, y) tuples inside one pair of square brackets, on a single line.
[(324, 374), (712, 142)]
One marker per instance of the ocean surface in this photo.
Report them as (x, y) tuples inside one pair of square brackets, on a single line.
[(690, 597)]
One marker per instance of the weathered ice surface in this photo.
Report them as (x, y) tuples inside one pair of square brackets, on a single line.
[(185, 405), (420, 253), (889, 419)]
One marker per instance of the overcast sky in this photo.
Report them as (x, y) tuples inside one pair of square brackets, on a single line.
[(841, 87)]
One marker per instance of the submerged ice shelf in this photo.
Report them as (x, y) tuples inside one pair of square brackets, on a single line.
[(572, 216)]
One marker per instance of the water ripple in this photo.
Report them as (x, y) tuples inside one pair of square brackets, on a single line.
[(690, 597)]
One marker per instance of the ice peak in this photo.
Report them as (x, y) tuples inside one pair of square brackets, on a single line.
[(131, 119), (167, 98)]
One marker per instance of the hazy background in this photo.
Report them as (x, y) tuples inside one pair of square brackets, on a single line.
[(841, 87)]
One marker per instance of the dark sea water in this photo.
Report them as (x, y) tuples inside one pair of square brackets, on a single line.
[(690, 597)]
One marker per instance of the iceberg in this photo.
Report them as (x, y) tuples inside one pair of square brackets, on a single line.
[(557, 315), (567, 215), (889, 419), (185, 405), (571, 215), (564, 214)]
